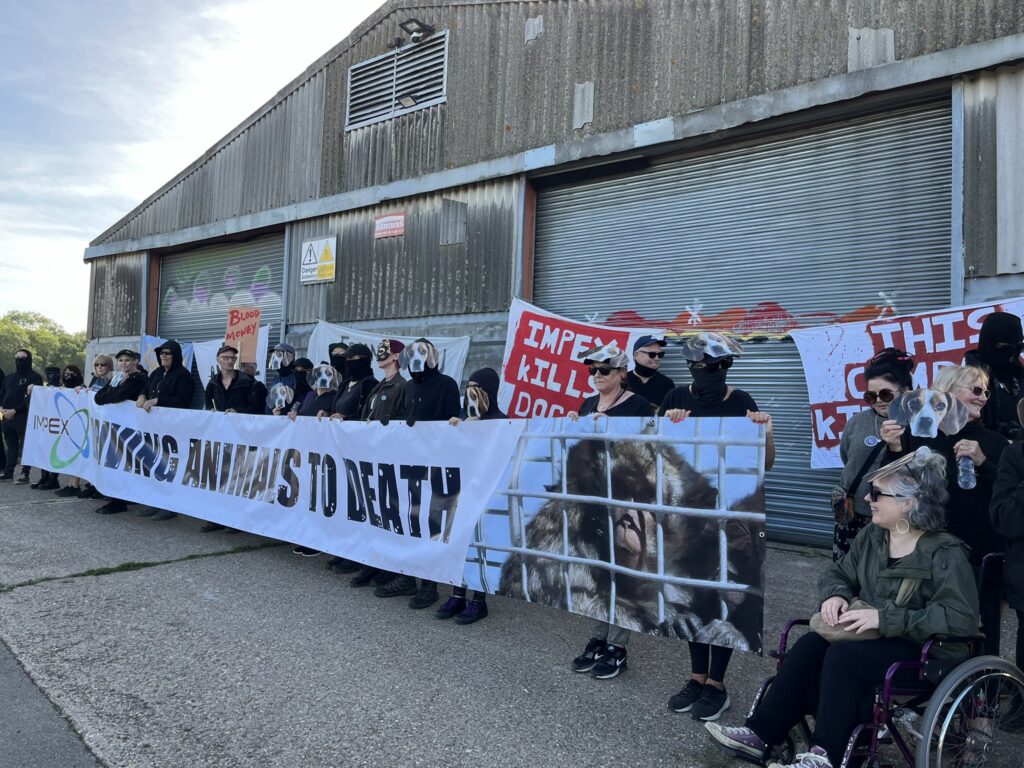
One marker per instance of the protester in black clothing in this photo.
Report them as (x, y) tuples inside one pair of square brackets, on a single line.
[(709, 356), (127, 385), (336, 352), (303, 392), (102, 372), (430, 396), (170, 386), (605, 654), (357, 385), (967, 512), (1007, 516), (385, 402), (14, 412), (1000, 342), (229, 390), (71, 378), (645, 379), (47, 480), (324, 380), (479, 403)]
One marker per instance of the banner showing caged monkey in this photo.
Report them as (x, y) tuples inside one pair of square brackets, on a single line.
[(653, 526)]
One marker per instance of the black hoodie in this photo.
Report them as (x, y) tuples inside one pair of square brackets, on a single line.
[(1005, 371), (128, 388), (431, 396), (15, 385), (172, 388)]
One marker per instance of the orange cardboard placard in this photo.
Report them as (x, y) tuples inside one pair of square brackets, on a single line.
[(243, 332)]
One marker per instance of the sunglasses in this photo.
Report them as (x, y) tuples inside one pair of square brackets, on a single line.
[(166, 354), (874, 493), (653, 355), (724, 364), (885, 395), (604, 370), (977, 391), (100, 365)]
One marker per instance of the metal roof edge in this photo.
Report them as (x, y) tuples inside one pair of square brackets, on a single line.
[(818, 93)]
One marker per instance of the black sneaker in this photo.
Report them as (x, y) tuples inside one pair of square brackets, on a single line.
[(711, 704), (475, 610), (364, 577), (382, 578), (425, 596), (333, 562), (112, 507), (66, 491), (346, 566), (305, 551), (686, 698), (211, 527), (610, 663), (400, 585), (88, 492), (5, 478), (452, 606), (586, 660)]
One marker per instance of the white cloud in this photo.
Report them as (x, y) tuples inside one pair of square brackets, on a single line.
[(104, 125)]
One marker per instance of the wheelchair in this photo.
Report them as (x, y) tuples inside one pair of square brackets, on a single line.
[(967, 713)]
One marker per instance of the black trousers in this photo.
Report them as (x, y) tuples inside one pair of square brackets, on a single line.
[(14, 437), (710, 660), (833, 682), (1020, 638)]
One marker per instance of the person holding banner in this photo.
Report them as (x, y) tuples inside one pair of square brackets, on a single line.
[(102, 372), (1000, 342), (645, 379), (127, 385), (605, 654), (47, 480), (359, 382), (71, 378), (259, 389), (170, 386), (887, 376), (14, 412), (481, 403), (231, 391), (430, 396), (709, 356), (336, 352)]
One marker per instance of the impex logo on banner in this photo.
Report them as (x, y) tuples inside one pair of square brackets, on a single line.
[(70, 431), (319, 261)]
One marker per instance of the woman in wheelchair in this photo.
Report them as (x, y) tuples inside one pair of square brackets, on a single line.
[(903, 581)]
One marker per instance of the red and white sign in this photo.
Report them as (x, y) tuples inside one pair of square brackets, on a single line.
[(391, 225), (540, 373), (243, 332), (833, 358)]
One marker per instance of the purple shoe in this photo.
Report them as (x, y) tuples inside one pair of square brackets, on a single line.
[(475, 610), (452, 606), (738, 739)]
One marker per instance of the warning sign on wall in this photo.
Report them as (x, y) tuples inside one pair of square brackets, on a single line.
[(318, 260)]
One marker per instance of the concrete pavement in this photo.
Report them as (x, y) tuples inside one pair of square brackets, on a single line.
[(219, 650)]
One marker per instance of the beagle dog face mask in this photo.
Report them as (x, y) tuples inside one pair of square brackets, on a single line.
[(280, 358), (279, 396), (926, 411), (477, 402), (419, 356), (323, 376), (714, 345)]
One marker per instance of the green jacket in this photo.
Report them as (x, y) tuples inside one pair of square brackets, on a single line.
[(946, 599)]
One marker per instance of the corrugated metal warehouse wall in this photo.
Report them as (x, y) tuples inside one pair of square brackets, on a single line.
[(116, 288), (512, 82), (456, 257)]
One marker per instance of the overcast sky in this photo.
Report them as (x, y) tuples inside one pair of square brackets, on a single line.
[(104, 101)]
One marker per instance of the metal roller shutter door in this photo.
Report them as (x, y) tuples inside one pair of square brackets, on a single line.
[(820, 223), (197, 287)]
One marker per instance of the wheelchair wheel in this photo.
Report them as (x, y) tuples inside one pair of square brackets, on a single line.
[(975, 717)]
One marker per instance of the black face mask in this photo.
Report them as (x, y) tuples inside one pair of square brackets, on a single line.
[(71, 380), (358, 368), (339, 364), (998, 346), (709, 386), (643, 370), (22, 365)]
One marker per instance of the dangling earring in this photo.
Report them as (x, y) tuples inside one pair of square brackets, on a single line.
[(906, 526)]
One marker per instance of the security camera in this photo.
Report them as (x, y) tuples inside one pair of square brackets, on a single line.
[(416, 37)]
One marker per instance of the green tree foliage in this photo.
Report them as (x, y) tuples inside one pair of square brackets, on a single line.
[(48, 342)]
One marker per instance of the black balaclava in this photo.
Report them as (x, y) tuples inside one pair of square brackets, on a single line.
[(1004, 328), (51, 374), (302, 387), (23, 366), (709, 387), (357, 362), (334, 352), (73, 377)]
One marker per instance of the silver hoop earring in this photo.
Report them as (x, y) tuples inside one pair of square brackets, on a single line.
[(906, 526)]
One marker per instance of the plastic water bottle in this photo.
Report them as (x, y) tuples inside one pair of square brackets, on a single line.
[(965, 476)]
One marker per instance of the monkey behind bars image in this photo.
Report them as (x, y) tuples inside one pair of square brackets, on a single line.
[(691, 547)]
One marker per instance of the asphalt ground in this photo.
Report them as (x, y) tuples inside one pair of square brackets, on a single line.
[(143, 643)]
